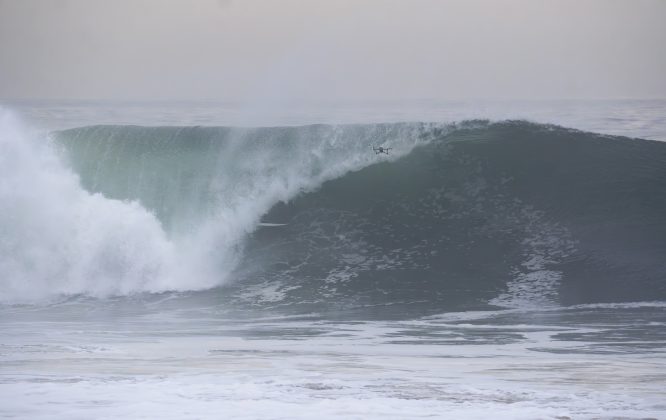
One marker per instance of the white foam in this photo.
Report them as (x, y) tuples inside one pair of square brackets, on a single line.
[(354, 371), (55, 238), (535, 285)]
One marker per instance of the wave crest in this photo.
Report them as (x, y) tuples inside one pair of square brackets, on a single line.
[(510, 214)]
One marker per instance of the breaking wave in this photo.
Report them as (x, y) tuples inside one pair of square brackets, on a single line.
[(510, 214)]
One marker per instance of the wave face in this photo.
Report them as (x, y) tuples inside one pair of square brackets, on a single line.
[(512, 214), (475, 214)]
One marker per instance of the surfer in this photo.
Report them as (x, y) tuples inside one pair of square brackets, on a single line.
[(381, 149)]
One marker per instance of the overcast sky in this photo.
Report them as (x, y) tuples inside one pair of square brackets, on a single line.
[(332, 50)]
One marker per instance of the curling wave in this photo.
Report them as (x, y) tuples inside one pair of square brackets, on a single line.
[(509, 214)]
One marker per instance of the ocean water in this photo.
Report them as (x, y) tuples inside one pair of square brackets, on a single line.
[(200, 260)]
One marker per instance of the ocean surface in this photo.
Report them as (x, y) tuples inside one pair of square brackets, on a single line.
[(506, 260)]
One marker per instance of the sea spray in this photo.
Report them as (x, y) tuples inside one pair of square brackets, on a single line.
[(56, 238), (142, 214)]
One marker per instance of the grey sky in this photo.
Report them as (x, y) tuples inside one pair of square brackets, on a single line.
[(296, 50)]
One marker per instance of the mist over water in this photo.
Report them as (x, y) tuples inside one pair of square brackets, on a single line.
[(632, 118)]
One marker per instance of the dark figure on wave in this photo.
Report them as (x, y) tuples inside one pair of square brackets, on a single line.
[(381, 149)]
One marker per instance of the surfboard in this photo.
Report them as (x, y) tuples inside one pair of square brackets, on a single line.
[(272, 224)]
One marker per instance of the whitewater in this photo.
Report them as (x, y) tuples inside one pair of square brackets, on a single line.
[(209, 260)]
